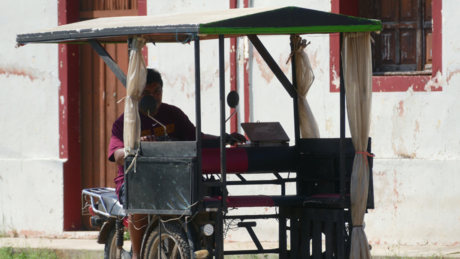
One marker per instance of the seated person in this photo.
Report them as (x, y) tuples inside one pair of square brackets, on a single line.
[(178, 127)]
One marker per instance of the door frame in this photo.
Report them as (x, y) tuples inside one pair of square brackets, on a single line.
[(69, 116)]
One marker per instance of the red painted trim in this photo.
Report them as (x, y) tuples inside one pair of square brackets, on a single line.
[(247, 96), (334, 53), (437, 36), (142, 11), (388, 83), (334, 61), (69, 119), (237, 161), (348, 7), (403, 83), (233, 71)]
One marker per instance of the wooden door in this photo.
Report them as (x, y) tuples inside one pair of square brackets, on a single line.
[(100, 91)]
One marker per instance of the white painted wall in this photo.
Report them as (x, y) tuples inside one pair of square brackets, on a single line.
[(31, 183), (416, 199)]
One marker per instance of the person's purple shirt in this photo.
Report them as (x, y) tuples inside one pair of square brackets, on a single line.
[(177, 124)]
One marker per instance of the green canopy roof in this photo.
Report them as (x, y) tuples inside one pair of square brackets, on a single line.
[(206, 24)]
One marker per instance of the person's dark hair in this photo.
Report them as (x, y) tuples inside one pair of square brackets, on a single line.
[(153, 76)]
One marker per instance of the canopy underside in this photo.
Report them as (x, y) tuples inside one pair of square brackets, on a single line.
[(207, 25)]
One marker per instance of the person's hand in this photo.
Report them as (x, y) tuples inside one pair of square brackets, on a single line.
[(237, 136), (149, 138)]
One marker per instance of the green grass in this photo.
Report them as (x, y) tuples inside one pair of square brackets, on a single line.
[(126, 236), (26, 253)]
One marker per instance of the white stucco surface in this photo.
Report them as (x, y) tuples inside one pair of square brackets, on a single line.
[(415, 137), (31, 183)]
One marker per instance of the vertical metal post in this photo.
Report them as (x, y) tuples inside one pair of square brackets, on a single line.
[(198, 117), (282, 233), (342, 125), (219, 251), (296, 105), (223, 153)]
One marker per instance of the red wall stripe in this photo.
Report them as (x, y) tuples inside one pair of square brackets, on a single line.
[(233, 71), (69, 119), (437, 36), (334, 53), (142, 11), (247, 103)]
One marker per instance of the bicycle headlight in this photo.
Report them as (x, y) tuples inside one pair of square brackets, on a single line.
[(207, 229)]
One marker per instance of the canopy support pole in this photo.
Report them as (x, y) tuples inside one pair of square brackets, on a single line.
[(272, 64), (296, 101), (198, 175), (223, 157), (100, 50), (342, 127)]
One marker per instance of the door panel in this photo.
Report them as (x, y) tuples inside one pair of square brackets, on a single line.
[(408, 46), (100, 92)]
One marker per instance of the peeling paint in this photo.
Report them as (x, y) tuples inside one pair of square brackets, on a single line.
[(284, 67), (330, 125), (267, 74), (397, 136), (401, 108), (336, 80), (18, 72), (452, 70), (313, 56), (435, 82)]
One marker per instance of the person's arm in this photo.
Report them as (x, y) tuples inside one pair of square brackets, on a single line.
[(208, 136), (234, 135), (119, 156)]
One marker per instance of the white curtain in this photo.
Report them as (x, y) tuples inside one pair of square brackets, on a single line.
[(135, 83), (305, 78), (357, 71)]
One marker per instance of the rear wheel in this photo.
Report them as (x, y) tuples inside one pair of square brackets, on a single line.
[(174, 243)]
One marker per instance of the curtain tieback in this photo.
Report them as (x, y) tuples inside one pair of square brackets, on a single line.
[(365, 154), (359, 226), (303, 45)]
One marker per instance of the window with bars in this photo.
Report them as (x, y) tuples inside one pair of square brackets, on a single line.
[(404, 46)]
